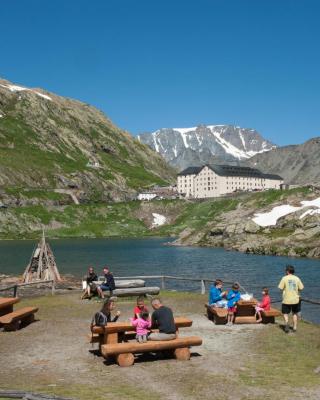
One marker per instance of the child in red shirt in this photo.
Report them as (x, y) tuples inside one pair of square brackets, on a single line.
[(139, 308), (264, 305)]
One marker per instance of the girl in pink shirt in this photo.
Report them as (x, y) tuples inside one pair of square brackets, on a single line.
[(142, 324), (264, 305)]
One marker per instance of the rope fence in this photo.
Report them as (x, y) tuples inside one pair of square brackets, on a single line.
[(18, 285), (163, 279)]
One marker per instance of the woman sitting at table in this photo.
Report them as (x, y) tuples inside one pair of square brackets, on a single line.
[(216, 295), (102, 317), (106, 309)]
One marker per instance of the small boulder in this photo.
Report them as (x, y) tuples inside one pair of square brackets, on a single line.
[(251, 227)]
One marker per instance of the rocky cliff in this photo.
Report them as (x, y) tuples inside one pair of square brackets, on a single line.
[(297, 233), (297, 164), (48, 141), (183, 147)]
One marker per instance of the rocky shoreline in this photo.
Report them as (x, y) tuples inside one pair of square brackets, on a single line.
[(294, 235)]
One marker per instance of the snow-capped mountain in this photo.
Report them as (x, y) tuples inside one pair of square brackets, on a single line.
[(183, 147)]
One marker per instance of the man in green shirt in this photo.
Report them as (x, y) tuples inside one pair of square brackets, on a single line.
[(290, 285)]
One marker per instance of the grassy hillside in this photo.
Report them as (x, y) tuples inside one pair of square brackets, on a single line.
[(127, 219), (63, 143)]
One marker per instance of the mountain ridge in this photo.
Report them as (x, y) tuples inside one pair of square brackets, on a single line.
[(204, 144), (297, 164)]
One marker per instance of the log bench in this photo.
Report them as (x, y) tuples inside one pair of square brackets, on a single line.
[(124, 352), (18, 318), (6, 304), (268, 317), (115, 332), (216, 314)]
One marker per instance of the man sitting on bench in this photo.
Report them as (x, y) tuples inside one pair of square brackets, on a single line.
[(162, 318)]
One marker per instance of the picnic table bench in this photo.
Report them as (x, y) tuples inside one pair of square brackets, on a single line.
[(245, 313), (124, 352), (114, 340), (6, 304), (268, 317), (15, 319)]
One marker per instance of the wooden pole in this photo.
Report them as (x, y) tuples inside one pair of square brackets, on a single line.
[(203, 287), (163, 283), (53, 289)]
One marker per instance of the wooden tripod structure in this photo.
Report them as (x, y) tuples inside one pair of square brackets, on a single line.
[(42, 265)]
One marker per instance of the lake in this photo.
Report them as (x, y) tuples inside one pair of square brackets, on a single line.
[(150, 257)]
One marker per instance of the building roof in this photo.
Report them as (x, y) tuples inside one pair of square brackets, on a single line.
[(231, 170), (190, 171), (235, 170), (273, 176)]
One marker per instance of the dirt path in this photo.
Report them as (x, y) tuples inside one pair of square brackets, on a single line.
[(56, 357)]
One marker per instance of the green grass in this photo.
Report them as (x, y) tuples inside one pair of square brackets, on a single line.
[(262, 199), (21, 153), (197, 215), (276, 233), (42, 194), (290, 359)]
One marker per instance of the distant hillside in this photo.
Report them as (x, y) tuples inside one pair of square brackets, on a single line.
[(48, 141), (225, 222), (205, 144), (298, 164)]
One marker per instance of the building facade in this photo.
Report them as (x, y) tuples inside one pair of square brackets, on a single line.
[(219, 180)]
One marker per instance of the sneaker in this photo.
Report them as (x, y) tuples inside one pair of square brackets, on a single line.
[(294, 331), (287, 329)]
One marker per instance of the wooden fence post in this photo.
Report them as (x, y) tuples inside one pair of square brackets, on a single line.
[(15, 291), (203, 287), (163, 283), (53, 289)]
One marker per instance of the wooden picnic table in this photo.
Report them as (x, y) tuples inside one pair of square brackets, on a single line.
[(246, 312), (115, 332), (6, 304)]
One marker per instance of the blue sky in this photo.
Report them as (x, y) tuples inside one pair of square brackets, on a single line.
[(150, 64)]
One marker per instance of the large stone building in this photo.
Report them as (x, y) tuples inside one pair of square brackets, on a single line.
[(218, 180)]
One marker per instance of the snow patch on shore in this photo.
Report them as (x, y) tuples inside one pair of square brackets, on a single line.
[(270, 218), (158, 219)]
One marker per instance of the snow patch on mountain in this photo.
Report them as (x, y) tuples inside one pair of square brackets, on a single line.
[(15, 88)]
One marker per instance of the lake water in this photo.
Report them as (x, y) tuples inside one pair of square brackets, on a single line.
[(150, 257)]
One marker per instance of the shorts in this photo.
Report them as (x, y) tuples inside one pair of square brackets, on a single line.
[(232, 309), (287, 308)]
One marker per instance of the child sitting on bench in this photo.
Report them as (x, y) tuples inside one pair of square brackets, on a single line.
[(264, 305), (140, 307), (142, 324), (233, 297)]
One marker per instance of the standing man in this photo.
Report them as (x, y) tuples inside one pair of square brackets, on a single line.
[(290, 286), (108, 284), (162, 318)]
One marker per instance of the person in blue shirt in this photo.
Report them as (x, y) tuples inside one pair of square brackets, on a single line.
[(233, 297), (216, 295)]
